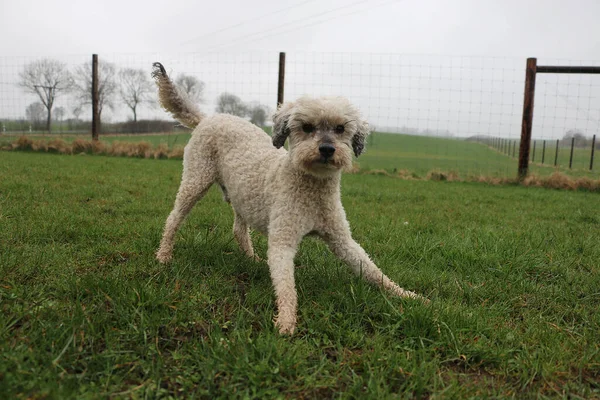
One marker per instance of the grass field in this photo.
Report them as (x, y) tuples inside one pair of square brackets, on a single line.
[(416, 154), (86, 311)]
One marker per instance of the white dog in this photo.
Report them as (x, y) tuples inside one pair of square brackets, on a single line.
[(283, 194)]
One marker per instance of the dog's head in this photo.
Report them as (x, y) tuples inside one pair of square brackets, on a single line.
[(323, 133)]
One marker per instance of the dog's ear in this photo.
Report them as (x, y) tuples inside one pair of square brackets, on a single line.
[(358, 140), (280, 124)]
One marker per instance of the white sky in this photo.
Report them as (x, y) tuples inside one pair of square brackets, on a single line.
[(520, 28), (367, 33)]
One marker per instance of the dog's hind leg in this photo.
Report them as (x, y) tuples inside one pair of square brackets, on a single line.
[(193, 187), (241, 232)]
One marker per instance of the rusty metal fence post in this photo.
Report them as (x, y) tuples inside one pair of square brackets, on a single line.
[(95, 98), (571, 156), (592, 155), (543, 151)]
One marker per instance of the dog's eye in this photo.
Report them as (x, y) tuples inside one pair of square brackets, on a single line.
[(339, 129), (307, 128)]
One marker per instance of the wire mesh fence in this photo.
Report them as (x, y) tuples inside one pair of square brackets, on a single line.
[(568, 118), (460, 114)]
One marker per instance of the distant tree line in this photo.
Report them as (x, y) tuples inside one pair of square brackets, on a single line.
[(50, 79), (228, 103), (581, 140)]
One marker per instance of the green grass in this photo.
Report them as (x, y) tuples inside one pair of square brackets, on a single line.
[(86, 311), (422, 154), (417, 154)]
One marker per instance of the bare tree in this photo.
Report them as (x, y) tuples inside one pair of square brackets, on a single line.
[(77, 111), (228, 103), (35, 113), (258, 114), (47, 78), (192, 86), (107, 84), (135, 89)]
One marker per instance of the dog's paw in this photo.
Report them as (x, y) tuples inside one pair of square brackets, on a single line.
[(285, 327), (398, 291), (413, 295), (163, 257)]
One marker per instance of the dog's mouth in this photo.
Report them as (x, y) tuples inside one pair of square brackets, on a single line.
[(326, 162)]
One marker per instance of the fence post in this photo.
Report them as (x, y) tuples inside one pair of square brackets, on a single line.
[(571, 157), (592, 156), (281, 81), (543, 151), (556, 153), (527, 122), (95, 99), (533, 155)]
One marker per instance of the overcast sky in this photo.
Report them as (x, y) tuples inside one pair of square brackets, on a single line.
[(425, 33), (521, 28)]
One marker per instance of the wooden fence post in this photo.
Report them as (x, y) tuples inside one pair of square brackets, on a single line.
[(527, 122), (556, 153), (281, 81), (95, 99)]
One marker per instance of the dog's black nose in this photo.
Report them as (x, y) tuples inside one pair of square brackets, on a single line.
[(326, 150)]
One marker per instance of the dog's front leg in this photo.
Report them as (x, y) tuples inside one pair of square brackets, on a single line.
[(282, 249), (346, 248)]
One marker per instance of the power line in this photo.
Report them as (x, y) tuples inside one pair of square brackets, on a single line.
[(246, 38), (329, 19), (254, 19)]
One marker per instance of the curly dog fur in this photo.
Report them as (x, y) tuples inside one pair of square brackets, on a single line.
[(282, 194)]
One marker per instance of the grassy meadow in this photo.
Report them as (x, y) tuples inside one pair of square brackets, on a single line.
[(416, 155), (86, 312)]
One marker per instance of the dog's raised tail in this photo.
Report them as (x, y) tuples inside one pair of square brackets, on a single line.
[(174, 100)]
